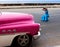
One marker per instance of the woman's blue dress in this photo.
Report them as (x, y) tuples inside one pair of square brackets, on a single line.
[(45, 16)]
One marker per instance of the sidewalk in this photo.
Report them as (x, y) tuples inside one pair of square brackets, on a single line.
[(41, 6)]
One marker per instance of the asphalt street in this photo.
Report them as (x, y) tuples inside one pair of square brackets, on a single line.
[(50, 34)]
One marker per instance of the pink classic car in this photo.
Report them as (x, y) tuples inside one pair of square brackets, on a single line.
[(17, 29)]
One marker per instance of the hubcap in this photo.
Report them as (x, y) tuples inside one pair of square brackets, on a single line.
[(23, 40)]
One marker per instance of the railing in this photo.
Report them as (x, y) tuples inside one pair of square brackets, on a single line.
[(31, 5)]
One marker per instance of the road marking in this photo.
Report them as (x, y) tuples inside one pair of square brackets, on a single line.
[(57, 46)]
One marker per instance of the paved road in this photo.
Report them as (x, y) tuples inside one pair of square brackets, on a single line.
[(50, 34)]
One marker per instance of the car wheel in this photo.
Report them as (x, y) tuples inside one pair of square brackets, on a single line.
[(22, 41)]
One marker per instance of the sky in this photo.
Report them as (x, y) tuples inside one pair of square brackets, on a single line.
[(29, 1)]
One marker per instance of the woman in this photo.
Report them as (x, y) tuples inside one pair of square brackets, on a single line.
[(45, 16)]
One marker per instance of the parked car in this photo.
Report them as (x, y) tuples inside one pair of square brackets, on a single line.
[(17, 29)]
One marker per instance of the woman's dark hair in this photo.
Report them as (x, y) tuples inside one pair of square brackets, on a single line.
[(44, 8)]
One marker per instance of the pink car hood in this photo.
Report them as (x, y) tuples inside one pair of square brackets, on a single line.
[(9, 17), (17, 22)]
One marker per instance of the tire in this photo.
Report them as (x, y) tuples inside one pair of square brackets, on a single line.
[(22, 41)]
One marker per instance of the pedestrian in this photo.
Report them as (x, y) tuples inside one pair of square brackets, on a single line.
[(45, 16)]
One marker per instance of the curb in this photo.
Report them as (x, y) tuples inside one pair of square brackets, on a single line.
[(21, 7)]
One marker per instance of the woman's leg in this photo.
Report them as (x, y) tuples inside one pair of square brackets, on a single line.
[(43, 18), (46, 18)]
